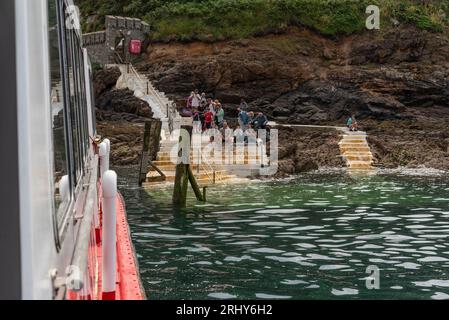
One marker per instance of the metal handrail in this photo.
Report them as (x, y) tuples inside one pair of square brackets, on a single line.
[(147, 87), (205, 165), (170, 112), (212, 178)]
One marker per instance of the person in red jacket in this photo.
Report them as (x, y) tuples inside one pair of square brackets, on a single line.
[(208, 120)]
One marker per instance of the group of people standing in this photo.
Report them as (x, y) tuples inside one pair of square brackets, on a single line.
[(206, 112), (249, 120), (209, 114)]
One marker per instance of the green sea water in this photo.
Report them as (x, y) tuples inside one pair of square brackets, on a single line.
[(312, 237)]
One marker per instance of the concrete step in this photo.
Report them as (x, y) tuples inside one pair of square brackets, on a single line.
[(201, 182), (172, 167), (170, 175), (357, 155), (168, 166), (360, 164), (351, 139), (356, 145), (364, 153), (174, 147), (168, 144), (167, 155), (354, 149), (355, 137), (359, 158), (167, 160)]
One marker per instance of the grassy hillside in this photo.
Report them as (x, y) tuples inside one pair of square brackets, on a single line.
[(209, 20)]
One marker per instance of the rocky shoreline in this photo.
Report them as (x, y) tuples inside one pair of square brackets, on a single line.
[(409, 144), (303, 150), (396, 83), (120, 117)]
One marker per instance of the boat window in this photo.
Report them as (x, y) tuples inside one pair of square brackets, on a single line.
[(74, 110), (78, 113), (81, 100), (69, 111), (62, 185), (92, 100), (84, 100)]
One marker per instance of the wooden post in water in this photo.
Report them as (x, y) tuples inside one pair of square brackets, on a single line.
[(184, 172), (204, 194), (182, 168), (151, 138), (195, 186)]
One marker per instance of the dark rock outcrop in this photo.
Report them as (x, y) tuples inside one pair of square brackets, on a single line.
[(412, 145), (120, 117), (123, 101), (126, 140), (302, 77), (105, 80), (303, 150), (399, 77)]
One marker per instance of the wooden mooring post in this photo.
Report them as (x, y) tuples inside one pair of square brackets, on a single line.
[(184, 172), (151, 140)]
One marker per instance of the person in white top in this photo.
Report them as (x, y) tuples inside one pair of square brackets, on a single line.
[(196, 99)]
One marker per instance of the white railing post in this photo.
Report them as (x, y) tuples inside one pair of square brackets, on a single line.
[(108, 152), (109, 235), (103, 150)]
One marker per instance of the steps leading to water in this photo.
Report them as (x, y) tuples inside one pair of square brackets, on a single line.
[(235, 166), (355, 150)]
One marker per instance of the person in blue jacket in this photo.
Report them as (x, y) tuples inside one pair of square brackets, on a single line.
[(243, 119)]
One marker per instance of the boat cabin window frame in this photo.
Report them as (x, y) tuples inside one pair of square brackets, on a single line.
[(60, 212), (73, 81)]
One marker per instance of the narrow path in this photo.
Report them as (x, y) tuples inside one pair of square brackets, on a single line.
[(160, 104), (274, 124)]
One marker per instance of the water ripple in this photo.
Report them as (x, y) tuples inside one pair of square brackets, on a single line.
[(306, 238)]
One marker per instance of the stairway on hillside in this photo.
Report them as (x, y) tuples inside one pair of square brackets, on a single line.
[(161, 106), (356, 151)]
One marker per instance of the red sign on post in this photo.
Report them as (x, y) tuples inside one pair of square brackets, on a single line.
[(135, 46)]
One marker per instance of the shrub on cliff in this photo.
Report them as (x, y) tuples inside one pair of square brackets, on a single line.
[(211, 20)]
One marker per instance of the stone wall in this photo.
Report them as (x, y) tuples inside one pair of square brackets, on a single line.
[(95, 43), (102, 45)]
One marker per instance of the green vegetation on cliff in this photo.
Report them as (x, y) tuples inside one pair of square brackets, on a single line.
[(211, 20)]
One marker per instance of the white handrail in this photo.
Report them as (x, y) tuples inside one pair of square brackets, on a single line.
[(206, 165), (147, 85), (109, 251)]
